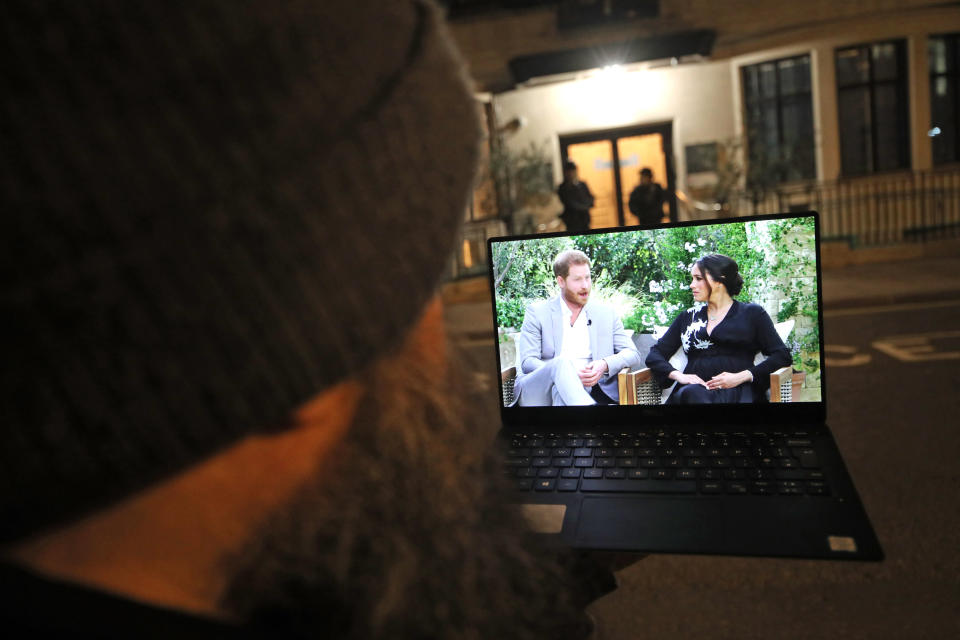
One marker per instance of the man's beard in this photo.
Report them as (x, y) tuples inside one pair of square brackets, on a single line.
[(573, 297), (404, 531)]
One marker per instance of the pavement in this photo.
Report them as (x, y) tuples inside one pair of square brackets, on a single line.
[(468, 313), (891, 419)]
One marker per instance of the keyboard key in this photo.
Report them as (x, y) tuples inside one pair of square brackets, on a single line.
[(626, 463), (541, 462), (615, 474), (736, 487), (567, 485), (711, 487), (562, 452), (638, 474), (570, 473), (687, 474), (524, 484), (582, 452), (583, 462), (527, 472), (516, 462), (563, 462), (548, 473), (605, 462), (593, 473), (545, 484), (662, 474), (763, 488), (808, 458), (639, 486), (817, 488)]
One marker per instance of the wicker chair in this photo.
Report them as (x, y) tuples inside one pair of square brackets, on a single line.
[(508, 376)]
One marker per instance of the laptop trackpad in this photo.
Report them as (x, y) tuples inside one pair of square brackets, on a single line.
[(661, 524)]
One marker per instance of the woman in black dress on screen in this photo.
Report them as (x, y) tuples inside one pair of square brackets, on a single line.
[(720, 337)]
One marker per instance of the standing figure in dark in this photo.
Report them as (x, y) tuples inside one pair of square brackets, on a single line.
[(576, 198), (646, 200)]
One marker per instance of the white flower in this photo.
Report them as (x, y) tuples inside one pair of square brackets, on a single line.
[(701, 241), (655, 287), (689, 247)]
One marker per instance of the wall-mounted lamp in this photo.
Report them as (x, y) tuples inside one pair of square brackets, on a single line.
[(513, 125)]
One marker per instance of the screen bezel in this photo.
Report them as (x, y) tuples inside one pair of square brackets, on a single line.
[(637, 416)]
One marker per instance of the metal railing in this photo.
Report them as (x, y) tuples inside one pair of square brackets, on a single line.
[(875, 210), (887, 209)]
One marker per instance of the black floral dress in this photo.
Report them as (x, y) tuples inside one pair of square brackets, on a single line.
[(746, 329)]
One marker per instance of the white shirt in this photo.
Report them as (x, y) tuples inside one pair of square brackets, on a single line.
[(575, 344)]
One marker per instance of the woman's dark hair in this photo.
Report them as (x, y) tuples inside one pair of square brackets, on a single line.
[(722, 269)]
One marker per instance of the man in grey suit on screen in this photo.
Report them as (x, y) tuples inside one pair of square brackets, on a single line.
[(571, 349)]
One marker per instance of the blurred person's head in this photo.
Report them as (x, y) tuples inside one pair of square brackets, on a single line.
[(572, 269), (570, 173), (182, 185), (646, 175)]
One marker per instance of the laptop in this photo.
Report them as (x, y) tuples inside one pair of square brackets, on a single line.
[(635, 462)]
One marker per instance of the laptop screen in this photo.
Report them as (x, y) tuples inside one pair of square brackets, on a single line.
[(661, 322)]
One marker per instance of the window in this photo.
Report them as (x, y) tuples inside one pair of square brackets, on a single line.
[(944, 103), (779, 120), (872, 100)]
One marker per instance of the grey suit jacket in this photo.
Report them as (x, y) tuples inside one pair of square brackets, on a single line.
[(542, 333)]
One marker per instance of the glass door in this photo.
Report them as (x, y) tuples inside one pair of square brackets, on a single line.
[(610, 162)]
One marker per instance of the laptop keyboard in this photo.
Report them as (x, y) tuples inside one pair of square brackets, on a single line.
[(732, 463)]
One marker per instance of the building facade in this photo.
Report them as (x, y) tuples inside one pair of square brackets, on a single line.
[(850, 108)]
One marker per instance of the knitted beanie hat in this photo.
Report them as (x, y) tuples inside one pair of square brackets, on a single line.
[(210, 212)]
